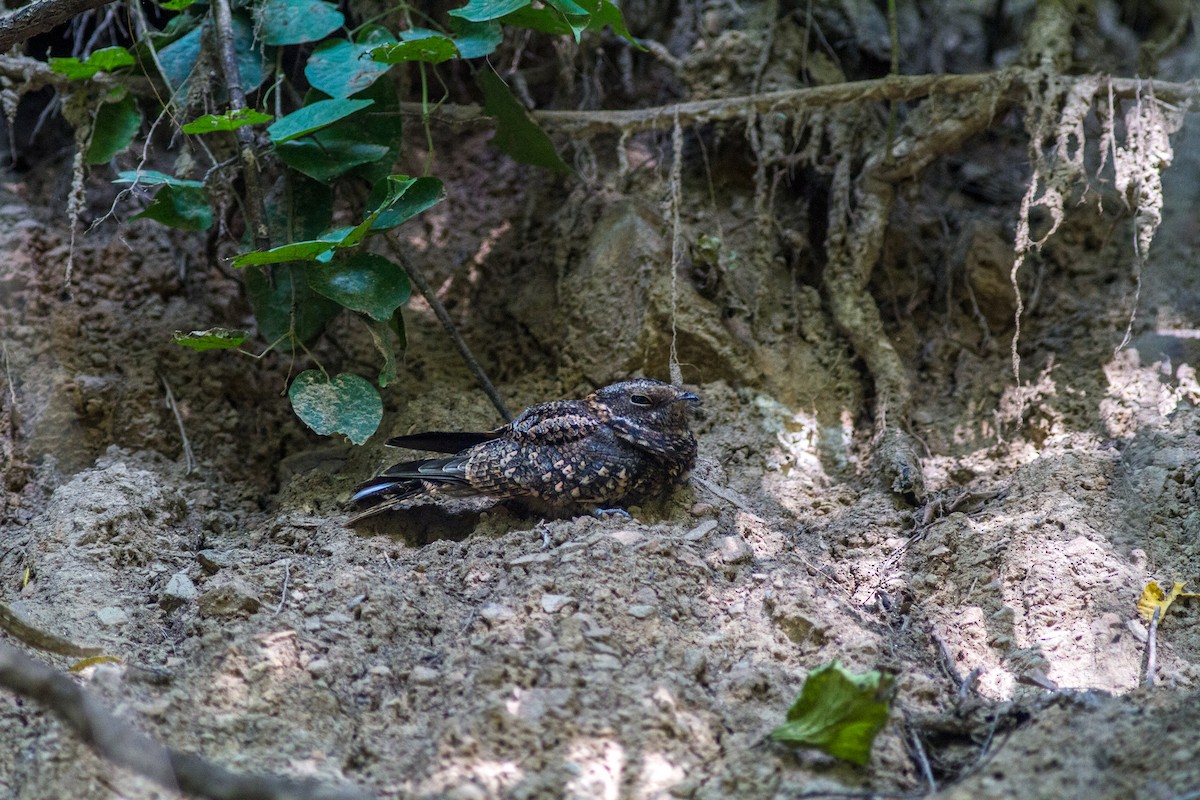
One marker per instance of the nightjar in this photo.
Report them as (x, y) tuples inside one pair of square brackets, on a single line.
[(620, 445)]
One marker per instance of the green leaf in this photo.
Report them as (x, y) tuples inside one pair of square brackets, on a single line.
[(251, 58), (340, 68), (283, 304), (366, 283), (299, 208), (114, 127), (381, 336), (516, 132), (484, 10), (325, 160), (150, 177), (544, 20), (183, 207), (296, 251), (176, 5), (106, 60), (838, 712), (297, 21), (211, 339), (229, 121), (476, 39), (605, 12), (417, 195), (365, 143), (179, 58), (313, 117), (431, 49), (348, 404)]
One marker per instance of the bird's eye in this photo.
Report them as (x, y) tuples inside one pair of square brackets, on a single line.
[(640, 400)]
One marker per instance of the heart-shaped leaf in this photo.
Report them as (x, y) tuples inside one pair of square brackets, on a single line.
[(348, 404)]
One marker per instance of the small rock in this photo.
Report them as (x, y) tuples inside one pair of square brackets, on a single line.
[(318, 667), (733, 549), (494, 612), (212, 561), (532, 558), (700, 531), (553, 603), (424, 675), (337, 618), (111, 615), (179, 592), (604, 661), (640, 611), (228, 595), (627, 537)]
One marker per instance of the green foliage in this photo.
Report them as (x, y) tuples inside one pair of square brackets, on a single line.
[(838, 712), (183, 207), (340, 67), (516, 133), (106, 60), (211, 339), (229, 121), (363, 282), (432, 49), (116, 123), (297, 21), (339, 136), (312, 118), (348, 404)]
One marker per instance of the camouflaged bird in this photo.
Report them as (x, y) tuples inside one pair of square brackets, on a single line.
[(618, 446)]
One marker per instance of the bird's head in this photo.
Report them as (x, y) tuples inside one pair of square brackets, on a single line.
[(644, 402)]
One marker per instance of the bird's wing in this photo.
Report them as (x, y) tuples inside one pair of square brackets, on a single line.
[(556, 423), (444, 441)]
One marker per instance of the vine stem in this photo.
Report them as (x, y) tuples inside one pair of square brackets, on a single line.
[(256, 215), (426, 290)]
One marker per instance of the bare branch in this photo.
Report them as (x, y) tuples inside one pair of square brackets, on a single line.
[(256, 215), (444, 317), (700, 112), (38, 17), (120, 743)]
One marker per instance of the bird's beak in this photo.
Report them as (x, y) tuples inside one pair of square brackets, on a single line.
[(689, 397)]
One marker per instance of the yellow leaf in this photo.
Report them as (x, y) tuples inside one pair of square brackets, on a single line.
[(79, 666), (1153, 597)]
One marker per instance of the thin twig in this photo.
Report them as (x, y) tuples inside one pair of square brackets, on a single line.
[(701, 112), (287, 573), (922, 759), (443, 316), (17, 625), (256, 216), (39, 17), (120, 743), (1152, 648), (189, 458)]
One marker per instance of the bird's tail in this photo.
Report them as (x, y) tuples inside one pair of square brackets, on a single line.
[(406, 480)]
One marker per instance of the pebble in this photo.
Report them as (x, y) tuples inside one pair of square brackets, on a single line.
[(424, 675), (700, 531), (553, 603), (495, 612), (179, 592), (733, 549), (627, 537), (532, 558), (213, 560), (641, 611), (318, 667), (111, 615)]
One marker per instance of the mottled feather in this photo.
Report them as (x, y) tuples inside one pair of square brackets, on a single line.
[(621, 444)]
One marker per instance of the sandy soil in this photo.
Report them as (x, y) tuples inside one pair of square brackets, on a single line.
[(467, 652)]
